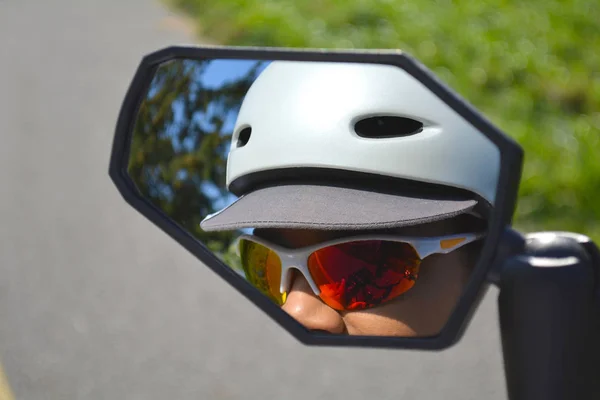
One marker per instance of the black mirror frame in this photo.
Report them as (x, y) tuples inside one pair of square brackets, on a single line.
[(511, 158)]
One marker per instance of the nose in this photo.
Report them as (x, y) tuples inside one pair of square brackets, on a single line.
[(305, 307)]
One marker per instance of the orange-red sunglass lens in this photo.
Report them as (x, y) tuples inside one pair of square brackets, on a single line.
[(362, 274)]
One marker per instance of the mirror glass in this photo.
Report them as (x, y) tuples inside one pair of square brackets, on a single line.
[(348, 194)]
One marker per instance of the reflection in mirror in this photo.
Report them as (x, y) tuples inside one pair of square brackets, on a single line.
[(181, 139), (346, 253)]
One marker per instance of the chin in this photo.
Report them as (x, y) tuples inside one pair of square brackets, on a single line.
[(383, 328)]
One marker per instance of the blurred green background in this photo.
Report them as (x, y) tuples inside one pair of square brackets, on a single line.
[(532, 67)]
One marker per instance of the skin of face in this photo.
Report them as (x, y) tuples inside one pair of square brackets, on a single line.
[(421, 311)]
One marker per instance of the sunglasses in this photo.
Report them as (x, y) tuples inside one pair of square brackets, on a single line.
[(350, 273)]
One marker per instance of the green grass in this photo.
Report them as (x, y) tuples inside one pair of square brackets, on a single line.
[(532, 67)]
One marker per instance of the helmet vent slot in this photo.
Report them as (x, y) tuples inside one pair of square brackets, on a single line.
[(380, 127), (243, 137)]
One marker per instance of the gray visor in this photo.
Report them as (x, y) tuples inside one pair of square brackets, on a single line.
[(332, 208)]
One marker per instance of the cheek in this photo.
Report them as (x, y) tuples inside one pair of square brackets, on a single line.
[(423, 310), (441, 277), (383, 322)]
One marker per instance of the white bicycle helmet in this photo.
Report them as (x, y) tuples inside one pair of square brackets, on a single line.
[(351, 146)]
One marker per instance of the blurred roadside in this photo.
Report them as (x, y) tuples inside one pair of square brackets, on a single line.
[(96, 303), (5, 390)]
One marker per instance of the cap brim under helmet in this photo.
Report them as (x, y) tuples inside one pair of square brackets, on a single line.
[(310, 206)]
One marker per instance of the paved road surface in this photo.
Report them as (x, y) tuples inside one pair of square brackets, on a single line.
[(96, 303)]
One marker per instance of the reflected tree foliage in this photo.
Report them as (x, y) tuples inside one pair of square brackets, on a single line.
[(180, 142)]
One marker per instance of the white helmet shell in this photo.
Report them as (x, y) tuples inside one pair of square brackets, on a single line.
[(302, 114)]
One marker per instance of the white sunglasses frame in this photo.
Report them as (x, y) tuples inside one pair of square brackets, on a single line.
[(298, 258)]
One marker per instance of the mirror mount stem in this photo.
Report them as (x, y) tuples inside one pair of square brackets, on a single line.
[(512, 243), (549, 310)]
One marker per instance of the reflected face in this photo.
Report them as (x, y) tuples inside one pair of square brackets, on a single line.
[(421, 311)]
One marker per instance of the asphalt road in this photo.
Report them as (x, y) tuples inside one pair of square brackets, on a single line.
[(97, 303)]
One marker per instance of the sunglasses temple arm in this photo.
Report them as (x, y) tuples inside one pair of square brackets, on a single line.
[(472, 238), (468, 239)]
